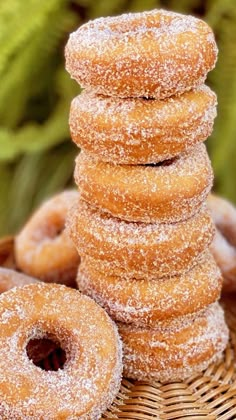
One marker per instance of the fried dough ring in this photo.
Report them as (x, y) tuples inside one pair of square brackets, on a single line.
[(138, 249), (223, 246), (139, 131), (91, 375), (11, 278), (175, 349), (43, 248), (225, 256), (144, 302), (224, 215), (169, 193), (153, 54)]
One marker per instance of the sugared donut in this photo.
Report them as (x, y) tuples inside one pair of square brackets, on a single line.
[(138, 249), (144, 301), (43, 248), (175, 349), (139, 131), (167, 192), (11, 278), (223, 246), (225, 256), (90, 378), (151, 54), (224, 216)]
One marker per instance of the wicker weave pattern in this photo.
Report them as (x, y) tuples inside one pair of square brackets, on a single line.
[(210, 396)]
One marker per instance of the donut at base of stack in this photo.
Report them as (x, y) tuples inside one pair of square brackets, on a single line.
[(154, 54), (11, 278), (43, 248), (168, 192), (90, 378), (175, 349), (139, 131), (138, 250), (223, 246), (144, 302)]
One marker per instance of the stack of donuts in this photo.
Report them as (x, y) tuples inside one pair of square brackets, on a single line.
[(141, 225)]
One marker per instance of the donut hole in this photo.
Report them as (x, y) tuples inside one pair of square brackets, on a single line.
[(167, 162), (55, 231), (50, 228), (46, 353)]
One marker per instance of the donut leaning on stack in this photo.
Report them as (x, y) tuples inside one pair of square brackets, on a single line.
[(223, 246), (141, 225)]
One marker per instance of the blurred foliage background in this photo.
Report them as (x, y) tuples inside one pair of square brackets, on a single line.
[(36, 155)]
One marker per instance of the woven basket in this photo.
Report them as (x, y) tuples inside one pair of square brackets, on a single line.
[(211, 395)]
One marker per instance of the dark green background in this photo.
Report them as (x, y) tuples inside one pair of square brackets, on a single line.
[(36, 156)]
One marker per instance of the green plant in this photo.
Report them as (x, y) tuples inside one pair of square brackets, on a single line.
[(36, 154)]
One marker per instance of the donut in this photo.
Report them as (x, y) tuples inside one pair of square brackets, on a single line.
[(90, 378), (138, 249), (7, 259), (43, 248), (225, 256), (153, 54), (140, 131), (11, 278), (144, 302), (168, 192), (175, 349), (224, 215), (223, 246)]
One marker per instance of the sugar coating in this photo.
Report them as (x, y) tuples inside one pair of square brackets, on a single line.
[(43, 248), (225, 256), (224, 216), (174, 350), (11, 278), (166, 193), (147, 224), (145, 301), (91, 376), (223, 246), (150, 54), (138, 249), (139, 131)]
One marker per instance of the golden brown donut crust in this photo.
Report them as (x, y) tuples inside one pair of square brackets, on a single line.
[(224, 215), (151, 54), (11, 278), (223, 246), (176, 349), (139, 131), (43, 248), (168, 193), (144, 302), (225, 256), (138, 249), (91, 375)]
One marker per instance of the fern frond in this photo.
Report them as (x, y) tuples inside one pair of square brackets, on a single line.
[(217, 9), (36, 177), (222, 144), (16, 35), (223, 79), (33, 137), (5, 209), (19, 82)]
